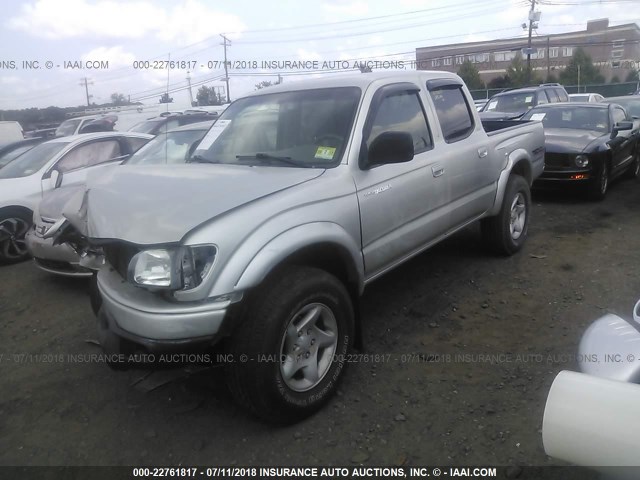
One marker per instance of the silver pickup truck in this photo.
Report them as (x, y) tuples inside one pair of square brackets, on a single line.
[(298, 197)]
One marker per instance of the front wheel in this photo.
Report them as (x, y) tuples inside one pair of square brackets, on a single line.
[(506, 232), (289, 351), (14, 225), (599, 186)]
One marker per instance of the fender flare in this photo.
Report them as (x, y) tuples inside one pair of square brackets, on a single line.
[(513, 161), (294, 240)]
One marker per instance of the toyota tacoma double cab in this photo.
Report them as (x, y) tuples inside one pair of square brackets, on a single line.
[(297, 198)]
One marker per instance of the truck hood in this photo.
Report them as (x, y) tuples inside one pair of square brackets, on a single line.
[(148, 205)]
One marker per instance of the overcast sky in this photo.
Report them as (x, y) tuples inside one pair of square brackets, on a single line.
[(122, 32)]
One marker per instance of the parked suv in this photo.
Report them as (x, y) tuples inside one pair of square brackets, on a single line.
[(515, 103)]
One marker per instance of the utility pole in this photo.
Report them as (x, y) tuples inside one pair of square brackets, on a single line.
[(86, 82), (531, 17), (548, 61), (226, 72), (190, 92)]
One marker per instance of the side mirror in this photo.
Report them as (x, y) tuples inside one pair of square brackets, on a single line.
[(55, 179), (390, 147), (620, 126)]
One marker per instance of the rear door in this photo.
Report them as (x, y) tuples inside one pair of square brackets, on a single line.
[(464, 155)]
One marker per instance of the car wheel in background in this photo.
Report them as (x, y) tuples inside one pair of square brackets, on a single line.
[(506, 232), (14, 225), (289, 351)]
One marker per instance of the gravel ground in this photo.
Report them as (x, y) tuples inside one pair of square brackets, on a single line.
[(462, 347)]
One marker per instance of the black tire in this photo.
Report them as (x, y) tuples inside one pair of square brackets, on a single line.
[(503, 234), (634, 169), (599, 186), (268, 342), (14, 225)]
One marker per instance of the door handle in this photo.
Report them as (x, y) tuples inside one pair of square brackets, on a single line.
[(483, 152), (437, 170)]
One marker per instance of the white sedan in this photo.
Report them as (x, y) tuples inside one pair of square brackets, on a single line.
[(68, 159), (585, 97)]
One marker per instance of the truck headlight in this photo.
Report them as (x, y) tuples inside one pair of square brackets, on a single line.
[(582, 161), (181, 268)]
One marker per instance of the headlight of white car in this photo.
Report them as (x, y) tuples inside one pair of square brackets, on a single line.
[(181, 268)]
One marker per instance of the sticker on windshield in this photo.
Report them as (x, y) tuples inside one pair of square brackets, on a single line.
[(492, 105), (528, 99), (538, 116), (325, 153), (213, 134)]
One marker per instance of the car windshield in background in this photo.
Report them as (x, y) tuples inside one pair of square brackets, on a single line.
[(172, 147), (14, 154), (32, 161), (66, 128), (147, 126), (511, 103), (574, 117), (631, 105), (578, 98), (307, 128)]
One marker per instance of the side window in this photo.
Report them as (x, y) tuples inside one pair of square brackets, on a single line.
[(89, 154), (136, 144), (542, 97), (618, 115), (553, 96), (454, 114), (402, 112)]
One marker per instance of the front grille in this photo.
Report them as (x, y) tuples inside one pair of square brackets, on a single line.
[(559, 160), (119, 255)]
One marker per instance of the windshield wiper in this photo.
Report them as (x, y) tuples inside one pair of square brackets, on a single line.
[(201, 159), (267, 157)]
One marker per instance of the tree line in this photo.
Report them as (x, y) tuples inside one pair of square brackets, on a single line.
[(580, 69)]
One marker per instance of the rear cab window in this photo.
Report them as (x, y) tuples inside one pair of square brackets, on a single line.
[(453, 111)]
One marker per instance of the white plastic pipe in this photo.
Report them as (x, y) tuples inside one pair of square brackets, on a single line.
[(592, 421)]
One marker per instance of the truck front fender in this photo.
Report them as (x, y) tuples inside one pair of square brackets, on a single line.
[(319, 243), (517, 162)]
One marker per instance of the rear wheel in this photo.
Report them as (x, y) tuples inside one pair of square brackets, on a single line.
[(599, 185), (289, 351), (14, 225), (506, 232)]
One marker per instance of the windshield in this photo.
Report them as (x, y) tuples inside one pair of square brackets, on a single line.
[(631, 105), (578, 118), (32, 161), (305, 128), (172, 147), (511, 102), (147, 126), (68, 127), (579, 98), (16, 152)]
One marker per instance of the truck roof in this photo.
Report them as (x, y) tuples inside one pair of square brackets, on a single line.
[(362, 80)]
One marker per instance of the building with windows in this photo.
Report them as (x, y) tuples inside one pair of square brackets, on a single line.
[(614, 50)]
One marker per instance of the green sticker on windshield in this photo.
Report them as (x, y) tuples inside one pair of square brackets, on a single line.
[(325, 153)]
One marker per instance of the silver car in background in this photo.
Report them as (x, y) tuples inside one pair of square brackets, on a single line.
[(172, 147)]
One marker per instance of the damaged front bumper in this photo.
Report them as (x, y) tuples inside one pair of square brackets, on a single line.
[(149, 320)]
